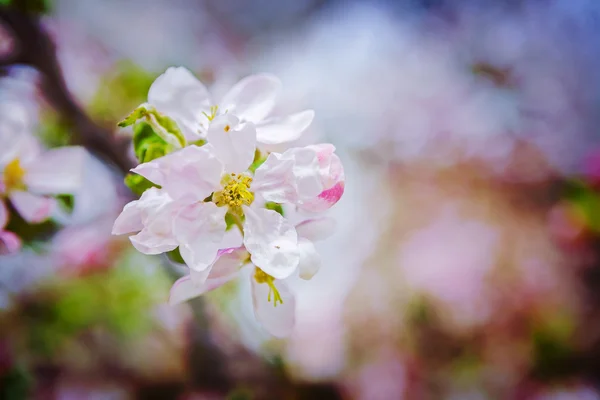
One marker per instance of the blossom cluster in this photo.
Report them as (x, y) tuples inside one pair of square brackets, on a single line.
[(31, 177), (207, 170)]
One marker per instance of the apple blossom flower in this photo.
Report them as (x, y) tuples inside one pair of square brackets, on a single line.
[(30, 176), (274, 304), (199, 185), (178, 94)]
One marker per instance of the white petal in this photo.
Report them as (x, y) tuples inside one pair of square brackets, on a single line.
[(185, 288), (178, 94), (148, 242), (199, 229), (284, 129), (228, 262), (130, 219), (274, 179), (332, 178), (310, 260), (306, 172), (192, 173), (156, 213), (234, 143), (57, 171), (136, 213), (252, 98), (278, 320), (316, 229), (225, 269), (272, 242), (290, 177), (3, 215), (32, 208)]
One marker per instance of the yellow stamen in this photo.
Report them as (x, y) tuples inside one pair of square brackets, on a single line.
[(227, 128), (13, 175), (236, 192), (213, 113), (261, 276)]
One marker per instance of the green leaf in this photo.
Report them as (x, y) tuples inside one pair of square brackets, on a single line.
[(132, 118), (138, 184), (147, 144), (169, 128), (275, 207)]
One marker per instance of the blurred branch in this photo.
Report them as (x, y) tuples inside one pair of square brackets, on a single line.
[(34, 47)]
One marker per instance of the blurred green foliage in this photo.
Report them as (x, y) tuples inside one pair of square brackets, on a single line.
[(123, 89), (586, 201), (16, 384), (52, 131), (115, 300), (552, 346), (30, 6)]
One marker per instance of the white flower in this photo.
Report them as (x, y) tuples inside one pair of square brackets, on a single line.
[(29, 176), (179, 95), (274, 304), (199, 185)]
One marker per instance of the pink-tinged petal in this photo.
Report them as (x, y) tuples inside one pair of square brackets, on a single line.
[(306, 172), (233, 143), (178, 94), (325, 200), (154, 211), (278, 319), (136, 213), (185, 288), (199, 229), (332, 176), (274, 179), (228, 262), (33, 208), (3, 215), (290, 177), (252, 98), (272, 242), (57, 171), (130, 219), (191, 173), (150, 243), (284, 129), (310, 260), (316, 229), (9, 243)]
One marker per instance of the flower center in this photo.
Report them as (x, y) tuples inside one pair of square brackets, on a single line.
[(236, 191), (261, 276), (13, 175)]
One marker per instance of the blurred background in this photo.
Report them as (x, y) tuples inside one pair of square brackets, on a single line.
[(466, 259)]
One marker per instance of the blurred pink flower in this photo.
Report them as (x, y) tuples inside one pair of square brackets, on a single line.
[(449, 260)]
